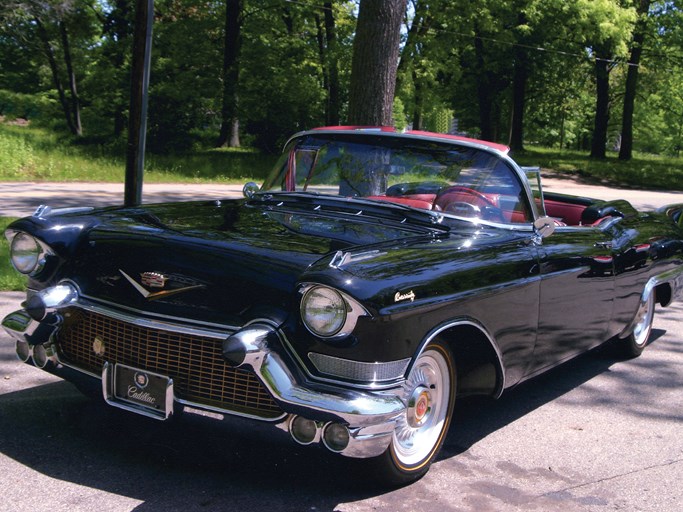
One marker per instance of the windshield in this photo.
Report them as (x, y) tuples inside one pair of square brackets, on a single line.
[(423, 174)]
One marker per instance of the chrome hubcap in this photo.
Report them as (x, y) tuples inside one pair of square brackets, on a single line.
[(419, 407), (427, 395)]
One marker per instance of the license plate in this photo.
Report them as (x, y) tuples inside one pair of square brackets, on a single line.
[(141, 391)]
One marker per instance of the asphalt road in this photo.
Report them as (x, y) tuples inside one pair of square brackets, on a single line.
[(597, 434)]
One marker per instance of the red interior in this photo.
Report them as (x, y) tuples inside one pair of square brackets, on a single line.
[(569, 213), (566, 213)]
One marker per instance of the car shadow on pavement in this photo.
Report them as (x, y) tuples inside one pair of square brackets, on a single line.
[(194, 463), (476, 417)]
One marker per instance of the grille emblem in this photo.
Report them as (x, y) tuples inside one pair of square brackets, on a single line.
[(98, 346), (141, 380), (155, 277)]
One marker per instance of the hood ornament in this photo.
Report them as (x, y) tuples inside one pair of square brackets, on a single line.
[(156, 280)]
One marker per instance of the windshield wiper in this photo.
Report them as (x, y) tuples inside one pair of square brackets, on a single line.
[(357, 206)]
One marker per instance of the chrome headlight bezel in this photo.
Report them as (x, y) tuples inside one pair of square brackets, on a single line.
[(30, 259), (319, 300)]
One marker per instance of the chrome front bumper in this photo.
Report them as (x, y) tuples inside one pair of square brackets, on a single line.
[(369, 416)]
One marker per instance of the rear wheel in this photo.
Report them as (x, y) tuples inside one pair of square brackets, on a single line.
[(635, 343), (420, 431)]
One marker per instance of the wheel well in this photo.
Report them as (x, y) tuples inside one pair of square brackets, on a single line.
[(478, 368), (663, 294)]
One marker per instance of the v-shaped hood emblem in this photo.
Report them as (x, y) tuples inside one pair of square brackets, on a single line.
[(160, 294)]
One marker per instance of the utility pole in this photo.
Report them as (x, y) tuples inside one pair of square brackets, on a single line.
[(137, 122)]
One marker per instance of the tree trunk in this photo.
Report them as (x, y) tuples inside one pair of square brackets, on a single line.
[(75, 101), (599, 142), (229, 133), (49, 53), (374, 62), (626, 149)]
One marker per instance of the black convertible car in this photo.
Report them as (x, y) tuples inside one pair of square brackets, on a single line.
[(372, 279)]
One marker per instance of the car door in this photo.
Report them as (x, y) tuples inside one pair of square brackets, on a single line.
[(576, 293)]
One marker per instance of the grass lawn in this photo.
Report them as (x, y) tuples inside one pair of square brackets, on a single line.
[(10, 279), (36, 154), (643, 171)]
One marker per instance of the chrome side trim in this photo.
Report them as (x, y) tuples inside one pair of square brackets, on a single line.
[(455, 323)]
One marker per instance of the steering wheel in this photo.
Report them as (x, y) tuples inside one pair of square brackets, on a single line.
[(463, 209), (452, 200)]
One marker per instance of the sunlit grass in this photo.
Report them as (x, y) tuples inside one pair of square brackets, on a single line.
[(10, 279), (35, 154)]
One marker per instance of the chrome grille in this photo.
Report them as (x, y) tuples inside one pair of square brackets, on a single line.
[(195, 363)]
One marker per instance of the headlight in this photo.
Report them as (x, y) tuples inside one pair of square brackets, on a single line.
[(27, 253), (323, 311), (329, 313)]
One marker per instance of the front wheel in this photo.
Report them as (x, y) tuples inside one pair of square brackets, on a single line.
[(634, 343), (429, 394)]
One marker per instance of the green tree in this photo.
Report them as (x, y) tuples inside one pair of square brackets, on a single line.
[(51, 25)]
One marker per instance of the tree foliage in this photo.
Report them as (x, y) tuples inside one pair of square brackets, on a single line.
[(523, 72)]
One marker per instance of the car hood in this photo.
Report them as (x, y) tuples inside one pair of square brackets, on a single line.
[(223, 259)]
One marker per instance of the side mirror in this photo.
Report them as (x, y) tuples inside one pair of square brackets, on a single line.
[(544, 226), (250, 189)]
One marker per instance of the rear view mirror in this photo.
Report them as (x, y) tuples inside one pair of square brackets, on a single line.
[(250, 189)]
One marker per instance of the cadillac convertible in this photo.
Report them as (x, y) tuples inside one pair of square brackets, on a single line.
[(373, 278)]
